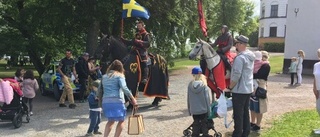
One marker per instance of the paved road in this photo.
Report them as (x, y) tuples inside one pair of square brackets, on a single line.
[(167, 120)]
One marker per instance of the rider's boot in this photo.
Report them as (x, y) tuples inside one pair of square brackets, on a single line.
[(145, 75)]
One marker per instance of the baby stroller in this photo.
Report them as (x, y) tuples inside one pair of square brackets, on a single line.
[(214, 114), (188, 132), (16, 109)]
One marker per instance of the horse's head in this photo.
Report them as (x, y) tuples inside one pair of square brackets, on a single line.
[(201, 48), (103, 48), (111, 48)]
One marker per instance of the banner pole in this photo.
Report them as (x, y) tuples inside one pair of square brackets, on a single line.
[(121, 29)]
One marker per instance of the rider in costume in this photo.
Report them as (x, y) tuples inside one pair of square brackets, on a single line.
[(224, 42), (141, 43)]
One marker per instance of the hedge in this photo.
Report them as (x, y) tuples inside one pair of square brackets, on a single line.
[(273, 47)]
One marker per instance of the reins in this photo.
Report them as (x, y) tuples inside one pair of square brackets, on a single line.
[(203, 52)]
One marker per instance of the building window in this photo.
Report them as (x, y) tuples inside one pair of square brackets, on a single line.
[(262, 12), (274, 11), (261, 32), (273, 32)]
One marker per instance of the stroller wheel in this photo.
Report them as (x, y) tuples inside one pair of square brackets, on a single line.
[(28, 118), (17, 121), (218, 134), (187, 132)]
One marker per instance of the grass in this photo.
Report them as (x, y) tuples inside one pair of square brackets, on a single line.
[(183, 63), (4, 73), (276, 64), (295, 124)]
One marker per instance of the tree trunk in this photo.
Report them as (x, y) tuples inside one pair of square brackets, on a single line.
[(36, 60), (92, 37)]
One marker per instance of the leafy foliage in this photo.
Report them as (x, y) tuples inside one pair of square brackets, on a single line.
[(45, 28)]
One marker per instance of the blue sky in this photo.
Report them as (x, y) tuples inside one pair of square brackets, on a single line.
[(257, 7)]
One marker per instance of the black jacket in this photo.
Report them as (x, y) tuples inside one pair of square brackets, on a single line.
[(263, 72), (82, 68)]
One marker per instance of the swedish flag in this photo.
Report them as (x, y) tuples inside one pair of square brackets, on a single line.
[(133, 9)]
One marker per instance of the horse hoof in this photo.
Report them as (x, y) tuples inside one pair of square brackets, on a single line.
[(155, 104)]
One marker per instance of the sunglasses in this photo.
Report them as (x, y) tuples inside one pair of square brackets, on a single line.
[(237, 43)]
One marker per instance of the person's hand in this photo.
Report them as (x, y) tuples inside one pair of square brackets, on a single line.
[(76, 80), (226, 90), (137, 43), (134, 102), (96, 98)]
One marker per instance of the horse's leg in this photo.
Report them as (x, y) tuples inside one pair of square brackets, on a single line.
[(156, 101)]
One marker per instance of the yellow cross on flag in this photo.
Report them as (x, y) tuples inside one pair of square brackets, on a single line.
[(133, 9)]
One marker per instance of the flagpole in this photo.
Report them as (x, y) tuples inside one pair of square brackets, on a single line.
[(121, 29)]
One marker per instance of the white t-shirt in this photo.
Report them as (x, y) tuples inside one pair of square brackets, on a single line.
[(316, 73)]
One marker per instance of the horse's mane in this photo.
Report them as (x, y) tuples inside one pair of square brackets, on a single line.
[(206, 43), (116, 41), (118, 49)]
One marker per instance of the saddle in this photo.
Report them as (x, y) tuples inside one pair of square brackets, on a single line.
[(150, 57)]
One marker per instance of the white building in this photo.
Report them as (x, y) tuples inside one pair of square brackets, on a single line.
[(273, 14), (303, 32)]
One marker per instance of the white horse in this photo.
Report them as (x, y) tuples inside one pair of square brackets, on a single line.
[(217, 76)]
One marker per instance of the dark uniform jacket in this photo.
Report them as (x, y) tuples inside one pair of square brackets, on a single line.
[(82, 68), (141, 43)]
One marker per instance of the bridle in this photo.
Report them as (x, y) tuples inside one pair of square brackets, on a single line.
[(107, 47), (203, 52)]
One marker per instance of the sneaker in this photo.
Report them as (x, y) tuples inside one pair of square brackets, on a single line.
[(255, 128), (62, 105), (298, 84), (31, 113), (72, 106), (97, 133), (88, 134)]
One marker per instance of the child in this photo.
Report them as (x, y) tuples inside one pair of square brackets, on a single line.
[(199, 102), (30, 86), (95, 110), (293, 69), (299, 67)]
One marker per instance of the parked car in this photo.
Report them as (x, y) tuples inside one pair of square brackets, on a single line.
[(51, 83)]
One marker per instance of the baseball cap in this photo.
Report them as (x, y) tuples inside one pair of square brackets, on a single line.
[(196, 70), (85, 54)]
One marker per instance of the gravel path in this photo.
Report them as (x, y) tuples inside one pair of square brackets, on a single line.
[(167, 120)]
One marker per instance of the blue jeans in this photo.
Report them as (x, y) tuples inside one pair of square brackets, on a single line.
[(95, 118)]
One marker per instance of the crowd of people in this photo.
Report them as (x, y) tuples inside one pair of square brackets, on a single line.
[(249, 71)]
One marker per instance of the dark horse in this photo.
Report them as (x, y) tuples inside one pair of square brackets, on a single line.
[(112, 48)]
